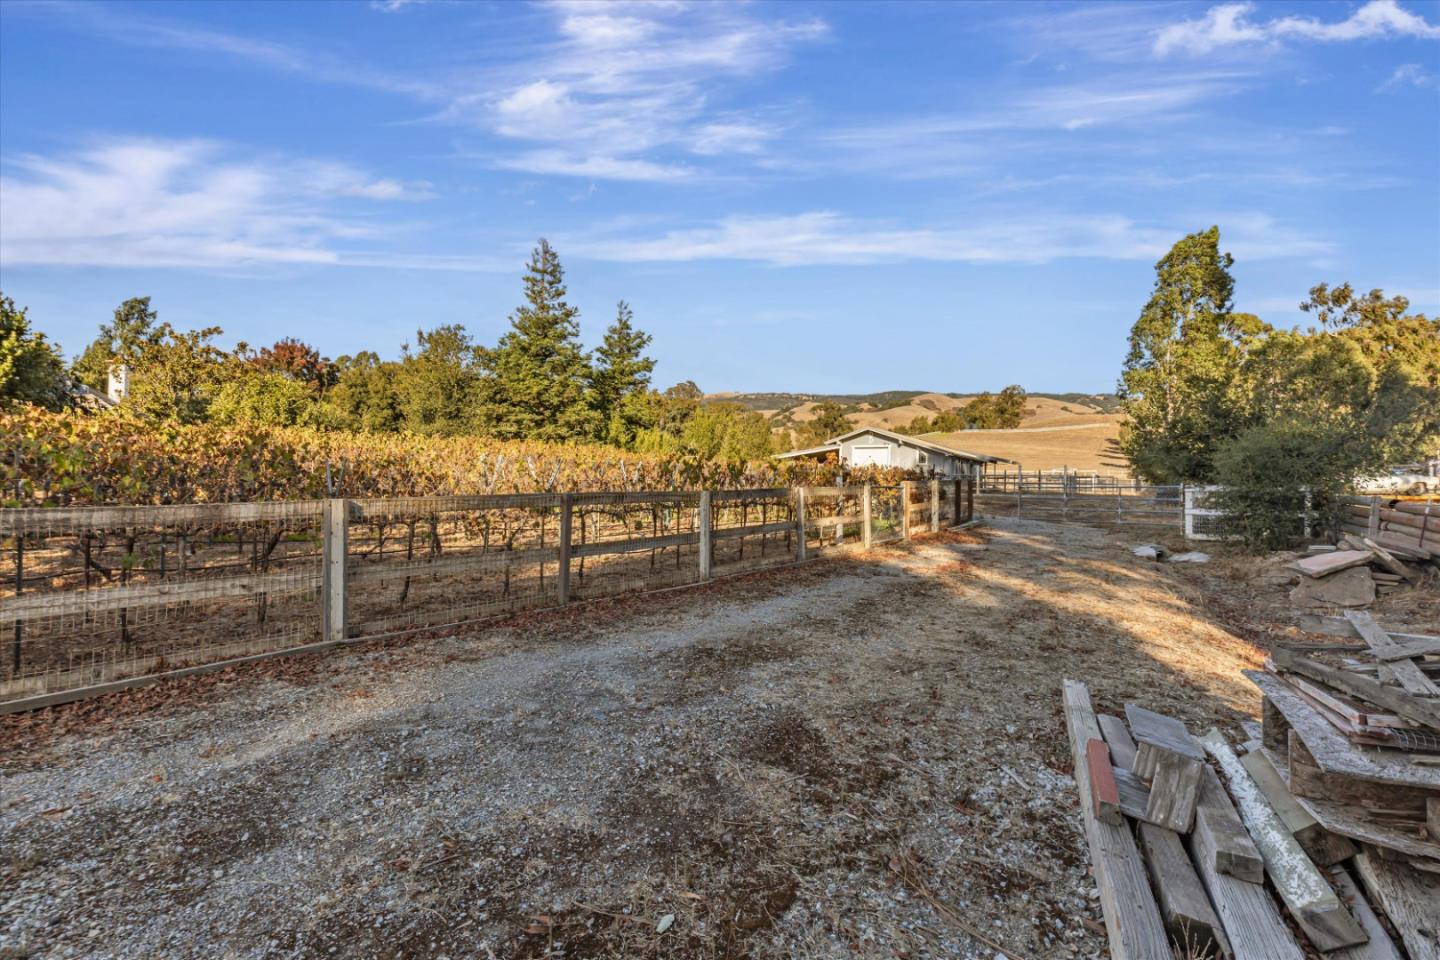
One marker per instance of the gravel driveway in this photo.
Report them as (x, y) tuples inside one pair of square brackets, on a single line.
[(859, 757)]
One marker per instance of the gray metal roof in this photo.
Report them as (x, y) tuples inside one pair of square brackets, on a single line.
[(833, 445)]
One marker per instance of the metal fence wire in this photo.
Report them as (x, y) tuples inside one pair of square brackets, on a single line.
[(103, 597), (99, 594)]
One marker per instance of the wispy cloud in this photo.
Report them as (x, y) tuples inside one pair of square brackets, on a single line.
[(619, 90), (626, 90), (187, 203), (829, 238), (1229, 24), (145, 30), (1409, 75)]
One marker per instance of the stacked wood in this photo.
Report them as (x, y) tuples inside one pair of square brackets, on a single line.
[(1364, 563), (1401, 523), (1313, 833)]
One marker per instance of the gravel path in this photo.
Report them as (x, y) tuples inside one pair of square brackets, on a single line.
[(860, 757)]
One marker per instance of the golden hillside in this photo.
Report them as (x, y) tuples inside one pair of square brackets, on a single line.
[(1085, 447)]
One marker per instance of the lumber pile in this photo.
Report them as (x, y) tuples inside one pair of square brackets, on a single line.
[(1406, 523), (1366, 563), (1259, 853)]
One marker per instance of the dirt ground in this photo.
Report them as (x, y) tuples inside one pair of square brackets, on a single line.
[(858, 757)]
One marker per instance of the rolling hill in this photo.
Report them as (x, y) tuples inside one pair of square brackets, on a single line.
[(1075, 430)]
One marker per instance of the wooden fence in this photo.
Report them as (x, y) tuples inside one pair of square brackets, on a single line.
[(104, 598)]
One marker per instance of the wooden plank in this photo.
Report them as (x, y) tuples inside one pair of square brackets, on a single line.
[(1134, 794), (637, 545), (1171, 760), (1236, 854), (1404, 671), (1184, 905), (1174, 789), (1358, 714), (1332, 752), (1306, 893), (758, 493), (376, 508), (1253, 924), (1340, 627), (1132, 917), (1102, 782), (1432, 817), (137, 595), (1399, 701), (1390, 563), (636, 497), (1324, 564), (79, 519), (1308, 779), (1324, 847), (1158, 730), (1393, 833), (1117, 737), (1380, 946), (1410, 898)]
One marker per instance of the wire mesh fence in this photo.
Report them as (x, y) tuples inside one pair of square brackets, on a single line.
[(752, 529), (99, 597), (885, 520), (436, 560), (102, 593)]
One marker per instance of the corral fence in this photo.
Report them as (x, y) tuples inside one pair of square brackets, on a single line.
[(103, 598), (1059, 501)]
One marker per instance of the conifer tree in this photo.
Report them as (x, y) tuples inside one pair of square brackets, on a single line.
[(537, 379), (133, 331), (622, 372)]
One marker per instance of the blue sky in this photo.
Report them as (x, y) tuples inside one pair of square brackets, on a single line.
[(794, 196)]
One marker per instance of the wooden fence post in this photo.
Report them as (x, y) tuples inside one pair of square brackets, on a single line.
[(335, 528), (934, 504), (705, 525), (563, 589), (1373, 524), (905, 486), (800, 547), (865, 516)]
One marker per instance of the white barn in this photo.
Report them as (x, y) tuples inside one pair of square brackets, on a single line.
[(872, 446)]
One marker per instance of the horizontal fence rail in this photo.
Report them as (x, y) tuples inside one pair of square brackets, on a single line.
[(101, 598)]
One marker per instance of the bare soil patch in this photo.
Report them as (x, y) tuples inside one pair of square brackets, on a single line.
[(862, 757)]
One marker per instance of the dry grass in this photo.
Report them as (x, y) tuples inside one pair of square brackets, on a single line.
[(1087, 447)]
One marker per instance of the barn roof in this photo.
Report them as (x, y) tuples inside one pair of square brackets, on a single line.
[(833, 445)]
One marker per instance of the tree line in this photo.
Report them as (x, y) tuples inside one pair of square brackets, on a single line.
[(536, 383), (1215, 396)]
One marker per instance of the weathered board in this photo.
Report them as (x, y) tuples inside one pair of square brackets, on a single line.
[(1311, 900), (1132, 917), (1323, 846), (1253, 924), (1410, 898)]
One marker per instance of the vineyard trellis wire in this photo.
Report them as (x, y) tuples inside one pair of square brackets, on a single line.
[(108, 597)]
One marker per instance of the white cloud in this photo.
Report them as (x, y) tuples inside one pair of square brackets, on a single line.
[(1229, 24), (560, 163), (828, 238), (1409, 75), (626, 86), (183, 203)]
